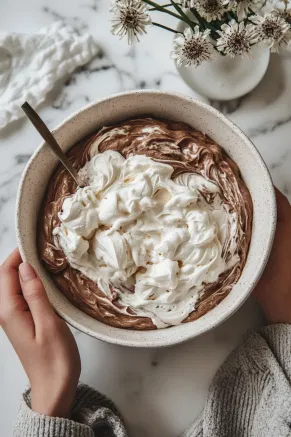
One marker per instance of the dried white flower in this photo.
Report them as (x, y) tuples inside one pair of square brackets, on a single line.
[(272, 30), (244, 7), (236, 39), (192, 48), (208, 9), (211, 9), (129, 17)]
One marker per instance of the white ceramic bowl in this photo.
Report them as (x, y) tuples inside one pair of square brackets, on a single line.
[(174, 107)]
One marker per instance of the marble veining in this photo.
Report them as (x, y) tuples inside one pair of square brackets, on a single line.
[(158, 391)]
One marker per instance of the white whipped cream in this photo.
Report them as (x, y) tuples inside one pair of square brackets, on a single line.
[(153, 240)]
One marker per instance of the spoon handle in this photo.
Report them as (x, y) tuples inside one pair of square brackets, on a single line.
[(46, 134)]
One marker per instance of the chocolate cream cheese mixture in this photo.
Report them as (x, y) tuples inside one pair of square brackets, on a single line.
[(160, 234)]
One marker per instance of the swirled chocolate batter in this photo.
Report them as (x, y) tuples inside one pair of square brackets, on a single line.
[(161, 233)]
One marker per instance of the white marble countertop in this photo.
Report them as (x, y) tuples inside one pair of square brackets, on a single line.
[(158, 391)]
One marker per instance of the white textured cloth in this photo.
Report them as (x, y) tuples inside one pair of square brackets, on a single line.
[(30, 65)]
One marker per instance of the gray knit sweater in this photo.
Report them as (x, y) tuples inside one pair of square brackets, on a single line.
[(249, 397)]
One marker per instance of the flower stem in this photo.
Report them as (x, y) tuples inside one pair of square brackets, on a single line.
[(205, 24), (211, 27), (165, 27), (162, 6), (162, 9), (199, 18), (232, 15), (184, 17)]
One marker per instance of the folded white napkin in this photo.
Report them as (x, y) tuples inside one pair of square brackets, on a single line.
[(30, 65)]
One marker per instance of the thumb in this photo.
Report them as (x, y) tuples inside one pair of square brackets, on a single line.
[(35, 295)]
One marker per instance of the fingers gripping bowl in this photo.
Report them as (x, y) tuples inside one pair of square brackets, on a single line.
[(160, 105)]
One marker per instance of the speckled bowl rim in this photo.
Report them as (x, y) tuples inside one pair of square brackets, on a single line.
[(223, 316)]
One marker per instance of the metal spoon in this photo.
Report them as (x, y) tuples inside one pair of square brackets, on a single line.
[(46, 134)]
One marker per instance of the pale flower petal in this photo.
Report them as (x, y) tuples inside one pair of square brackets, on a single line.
[(188, 33), (236, 39), (208, 9), (243, 8), (211, 9), (273, 30), (129, 17), (192, 48)]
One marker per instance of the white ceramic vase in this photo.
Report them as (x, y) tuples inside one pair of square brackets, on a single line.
[(226, 78)]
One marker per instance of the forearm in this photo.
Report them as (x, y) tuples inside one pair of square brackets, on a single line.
[(251, 393), (92, 415), (278, 339)]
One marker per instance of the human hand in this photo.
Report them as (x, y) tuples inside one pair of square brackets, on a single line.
[(42, 341), (273, 291)]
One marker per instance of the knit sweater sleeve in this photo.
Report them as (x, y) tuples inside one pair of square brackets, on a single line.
[(251, 394), (92, 415)]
